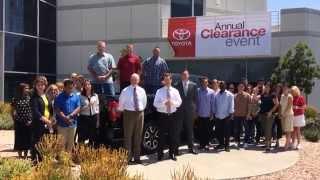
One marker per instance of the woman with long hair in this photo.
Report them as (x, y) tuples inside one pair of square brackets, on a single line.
[(286, 114), (22, 116), (89, 114), (268, 106), (299, 107), (52, 92), (42, 113)]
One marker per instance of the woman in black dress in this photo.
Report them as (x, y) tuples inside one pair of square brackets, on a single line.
[(42, 115), (22, 116)]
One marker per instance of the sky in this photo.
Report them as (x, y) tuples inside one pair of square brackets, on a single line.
[(276, 5)]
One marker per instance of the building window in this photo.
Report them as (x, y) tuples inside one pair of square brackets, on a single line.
[(185, 8), (1, 14), (21, 16), (12, 80), (198, 7), (53, 2), (20, 53), (47, 21), (47, 57)]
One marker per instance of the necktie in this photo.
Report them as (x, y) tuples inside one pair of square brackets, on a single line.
[(168, 99), (135, 99), (185, 88)]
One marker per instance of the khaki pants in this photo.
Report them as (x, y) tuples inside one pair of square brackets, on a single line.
[(68, 136), (133, 128), (267, 123)]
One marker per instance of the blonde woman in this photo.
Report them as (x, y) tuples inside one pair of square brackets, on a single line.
[(299, 107), (286, 112)]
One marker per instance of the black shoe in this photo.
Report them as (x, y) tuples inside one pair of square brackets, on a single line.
[(173, 157), (137, 161), (193, 151), (160, 156), (227, 149), (268, 149), (277, 145), (178, 153), (218, 147)]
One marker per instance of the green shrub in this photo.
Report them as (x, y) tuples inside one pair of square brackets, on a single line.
[(311, 114), (6, 122), (12, 167), (312, 132)]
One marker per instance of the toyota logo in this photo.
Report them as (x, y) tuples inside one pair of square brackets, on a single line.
[(181, 34)]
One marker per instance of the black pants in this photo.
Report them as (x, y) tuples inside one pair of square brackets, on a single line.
[(37, 134), (204, 131), (168, 129), (185, 123), (238, 127), (223, 129), (277, 129), (87, 129)]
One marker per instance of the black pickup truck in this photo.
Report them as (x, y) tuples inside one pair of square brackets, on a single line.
[(111, 128)]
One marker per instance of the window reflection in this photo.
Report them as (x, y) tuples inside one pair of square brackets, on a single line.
[(21, 16), (20, 53)]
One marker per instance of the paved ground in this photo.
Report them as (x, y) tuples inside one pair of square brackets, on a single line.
[(213, 165)]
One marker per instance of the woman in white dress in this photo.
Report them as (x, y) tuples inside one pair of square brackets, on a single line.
[(286, 112)]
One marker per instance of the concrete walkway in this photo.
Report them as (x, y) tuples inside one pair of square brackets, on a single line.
[(213, 165), (221, 165)]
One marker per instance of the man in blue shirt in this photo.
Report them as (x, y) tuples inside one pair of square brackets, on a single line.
[(205, 99), (67, 107), (223, 109), (100, 67), (153, 70)]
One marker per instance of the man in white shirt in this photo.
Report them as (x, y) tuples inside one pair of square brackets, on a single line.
[(167, 100), (133, 101)]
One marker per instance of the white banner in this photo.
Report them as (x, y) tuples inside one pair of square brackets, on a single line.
[(223, 36), (245, 35)]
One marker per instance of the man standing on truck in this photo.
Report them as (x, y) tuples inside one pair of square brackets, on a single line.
[(100, 67), (128, 65), (167, 100), (133, 101), (153, 69)]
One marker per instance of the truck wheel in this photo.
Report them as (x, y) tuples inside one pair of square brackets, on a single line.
[(150, 138)]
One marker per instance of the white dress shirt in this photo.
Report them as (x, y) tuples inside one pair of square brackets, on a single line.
[(161, 98), (89, 105), (126, 100)]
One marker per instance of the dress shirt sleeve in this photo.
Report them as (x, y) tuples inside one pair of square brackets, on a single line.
[(97, 104), (158, 102), (144, 99), (212, 104), (231, 104), (177, 101), (122, 99)]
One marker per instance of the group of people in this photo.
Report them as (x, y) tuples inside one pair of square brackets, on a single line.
[(62, 108), (72, 107)]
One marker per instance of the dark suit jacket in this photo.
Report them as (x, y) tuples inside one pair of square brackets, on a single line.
[(188, 105), (38, 107)]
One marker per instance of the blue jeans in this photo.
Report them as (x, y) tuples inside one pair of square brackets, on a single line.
[(104, 89)]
